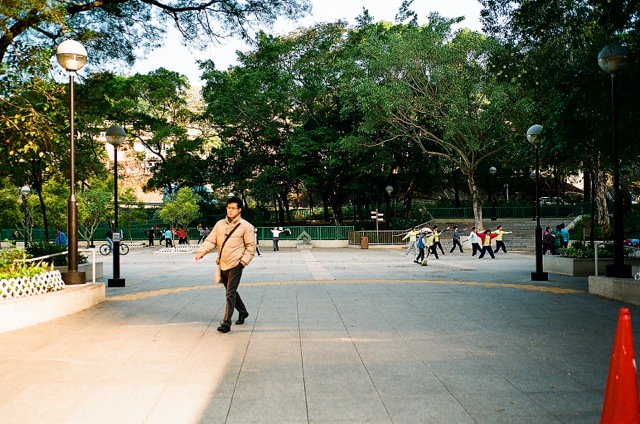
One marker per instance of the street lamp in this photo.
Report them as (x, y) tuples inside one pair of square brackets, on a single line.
[(389, 190), (25, 191), (115, 136), (611, 59), (533, 136), (493, 171), (72, 56)]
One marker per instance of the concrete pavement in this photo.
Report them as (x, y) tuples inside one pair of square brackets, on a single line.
[(334, 335)]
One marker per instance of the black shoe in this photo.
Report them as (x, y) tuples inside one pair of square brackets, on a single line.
[(241, 318), (224, 328)]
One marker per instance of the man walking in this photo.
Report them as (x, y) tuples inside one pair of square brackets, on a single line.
[(234, 237)]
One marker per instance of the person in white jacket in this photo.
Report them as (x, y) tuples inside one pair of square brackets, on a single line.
[(276, 237), (475, 241)]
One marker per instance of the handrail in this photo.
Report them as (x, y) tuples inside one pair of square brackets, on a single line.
[(66, 252), (599, 244)]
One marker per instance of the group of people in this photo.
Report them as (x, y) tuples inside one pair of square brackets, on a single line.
[(426, 241), (554, 239), (168, 235)]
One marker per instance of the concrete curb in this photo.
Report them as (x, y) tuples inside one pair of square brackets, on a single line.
[(31, 310)]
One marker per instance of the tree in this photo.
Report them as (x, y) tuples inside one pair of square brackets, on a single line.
[(181, 209), (113, 30), (434, 87), (94, 207), (131, 210), (10, 213), (52, 200), (550, 49), (250, 106)]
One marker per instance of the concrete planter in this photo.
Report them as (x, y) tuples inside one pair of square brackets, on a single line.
[(579, 267), (622, 289), (86, 267)]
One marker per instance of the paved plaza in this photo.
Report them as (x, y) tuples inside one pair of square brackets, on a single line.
[(334, 336)]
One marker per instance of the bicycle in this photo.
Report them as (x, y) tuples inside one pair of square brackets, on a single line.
[(106, 248)]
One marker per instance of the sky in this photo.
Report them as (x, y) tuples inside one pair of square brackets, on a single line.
[(176, 57)]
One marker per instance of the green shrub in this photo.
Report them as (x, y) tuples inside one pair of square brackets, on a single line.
[(583, 250), (41, 248), (11, 267)]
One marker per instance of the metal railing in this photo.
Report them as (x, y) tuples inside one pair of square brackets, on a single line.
[(389, 237), (66, 252)]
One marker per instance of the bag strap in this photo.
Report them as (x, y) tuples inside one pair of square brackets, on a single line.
[(225, 240)]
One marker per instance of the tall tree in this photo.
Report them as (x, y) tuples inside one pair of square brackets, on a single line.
[(434, 87), (551, 50), (114, 30)]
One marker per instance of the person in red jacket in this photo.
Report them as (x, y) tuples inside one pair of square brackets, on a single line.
[(486, 236)]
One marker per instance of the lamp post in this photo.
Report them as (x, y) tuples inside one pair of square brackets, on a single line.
[(72, 56), (25, 191), (492, 171), (115, 136), (611, 59), (533, 136), (389, 190)]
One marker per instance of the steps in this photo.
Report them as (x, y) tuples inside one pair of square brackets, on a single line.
[(523, 230)]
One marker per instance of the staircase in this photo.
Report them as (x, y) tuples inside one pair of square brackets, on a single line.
[(523, 230)]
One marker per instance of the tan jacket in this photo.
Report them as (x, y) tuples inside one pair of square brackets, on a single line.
[(240, 248)]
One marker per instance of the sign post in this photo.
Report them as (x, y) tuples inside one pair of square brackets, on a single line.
[(378, 218)]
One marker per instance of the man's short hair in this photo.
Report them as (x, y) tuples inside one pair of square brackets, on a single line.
[(236, 200)]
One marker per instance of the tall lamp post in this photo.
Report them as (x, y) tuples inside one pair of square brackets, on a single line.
[(493, 171), (115, 136), (25, 191), (611, 59), (72, 56), (533, 136), (389, 190)]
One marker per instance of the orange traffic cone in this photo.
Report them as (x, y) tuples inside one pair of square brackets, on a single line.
[(621, 402)]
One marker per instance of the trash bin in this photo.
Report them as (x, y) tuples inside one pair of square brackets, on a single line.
[(364, 242)]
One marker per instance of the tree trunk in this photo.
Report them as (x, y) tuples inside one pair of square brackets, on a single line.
[(456, 186), (45, 220), (601, 197), (325, 207), (477, 201)]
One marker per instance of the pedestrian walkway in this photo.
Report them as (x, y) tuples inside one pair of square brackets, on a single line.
[(333, 336)]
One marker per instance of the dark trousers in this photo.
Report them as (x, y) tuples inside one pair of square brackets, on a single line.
[(437, 244), (420, 256), (231, 281), (150, 241), (476, 248), (275, 244), (433, 250), (456, 242), (486, 249), (500, 245)]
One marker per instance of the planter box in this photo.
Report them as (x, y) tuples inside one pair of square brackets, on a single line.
[(579, 267), (86, 267), (622, 289)]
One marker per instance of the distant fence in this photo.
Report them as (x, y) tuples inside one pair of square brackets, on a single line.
[(390, 237), (326, 232)]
